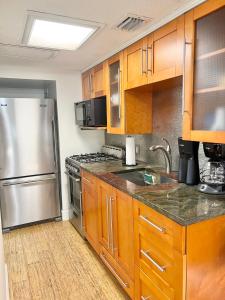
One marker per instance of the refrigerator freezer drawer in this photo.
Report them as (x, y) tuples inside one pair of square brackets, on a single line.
[(29, 199)]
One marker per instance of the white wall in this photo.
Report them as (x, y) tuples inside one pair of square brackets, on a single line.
[(72, 140)]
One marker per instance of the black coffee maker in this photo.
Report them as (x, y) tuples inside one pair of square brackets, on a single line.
[(188, 162)]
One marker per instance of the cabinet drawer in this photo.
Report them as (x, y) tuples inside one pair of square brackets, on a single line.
[(118, 273), (146, 289), (160, 228), (163, 264)]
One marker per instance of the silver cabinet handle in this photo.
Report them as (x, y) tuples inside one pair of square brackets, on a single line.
[(107, 217), (124, 284), (160, 268), (161, 229), (149, 48), (142, 63), (111, 224)]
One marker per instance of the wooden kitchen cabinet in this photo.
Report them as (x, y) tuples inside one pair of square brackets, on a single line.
[(135, 65), (165, 51), (159, 255), (94, 82), (99, 80), (86, 85), (206, 260), (128, 112), (90, 209), (116, 234), (157, 57), (204, 78)]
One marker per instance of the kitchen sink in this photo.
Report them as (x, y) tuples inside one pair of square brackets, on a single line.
[(144, 177)]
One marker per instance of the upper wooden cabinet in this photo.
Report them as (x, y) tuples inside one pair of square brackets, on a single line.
[(94, 82), (115, 95), (128, 112), (166, 45), (99, 80), (86, 85), (135, 65), (156, 57), (204, 84)]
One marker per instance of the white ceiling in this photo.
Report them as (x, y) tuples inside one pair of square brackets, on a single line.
[(13, 14)]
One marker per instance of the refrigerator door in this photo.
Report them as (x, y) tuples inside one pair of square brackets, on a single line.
[(28, 199), (27, 137)]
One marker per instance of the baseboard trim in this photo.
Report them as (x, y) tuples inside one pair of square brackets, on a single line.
[(66, 213)]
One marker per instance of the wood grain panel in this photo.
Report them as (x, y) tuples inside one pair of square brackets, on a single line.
[(206, 260)]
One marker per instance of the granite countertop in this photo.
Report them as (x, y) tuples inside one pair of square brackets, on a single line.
[(179, 202)]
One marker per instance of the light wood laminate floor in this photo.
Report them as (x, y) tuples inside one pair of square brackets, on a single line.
[(51, 261)]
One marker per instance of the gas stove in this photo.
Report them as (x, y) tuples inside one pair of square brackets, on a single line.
[(109, 153)]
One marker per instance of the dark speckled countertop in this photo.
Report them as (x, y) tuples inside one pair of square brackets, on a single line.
[(179, 202)]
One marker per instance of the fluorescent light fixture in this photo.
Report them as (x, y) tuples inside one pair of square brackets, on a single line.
[(48, 32)]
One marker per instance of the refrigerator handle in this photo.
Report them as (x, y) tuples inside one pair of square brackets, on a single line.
[(27, 182), (54, 142)]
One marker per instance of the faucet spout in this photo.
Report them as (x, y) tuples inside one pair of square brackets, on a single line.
[(166, 154)]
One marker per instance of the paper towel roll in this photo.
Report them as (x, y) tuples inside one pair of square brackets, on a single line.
[(130, 151)]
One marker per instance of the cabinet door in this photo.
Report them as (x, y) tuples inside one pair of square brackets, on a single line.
[(115, 95), (204, 86), (123, 231), (86, 85), (98, 80), (90, 208), (105, 213), (135, 65), (166, 46)]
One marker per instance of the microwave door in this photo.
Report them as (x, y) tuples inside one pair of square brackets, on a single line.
[(80, 111)]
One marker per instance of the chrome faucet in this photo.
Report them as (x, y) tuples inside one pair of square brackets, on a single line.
[(166, 152)]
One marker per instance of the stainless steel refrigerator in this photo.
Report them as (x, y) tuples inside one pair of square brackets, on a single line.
[(29, 185)]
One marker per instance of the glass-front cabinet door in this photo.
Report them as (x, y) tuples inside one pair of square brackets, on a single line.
[(115, 109), (204, 81)]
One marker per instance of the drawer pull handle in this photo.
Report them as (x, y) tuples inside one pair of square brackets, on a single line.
[(145, 298), (161, 268), (161, 229), (124, 284)]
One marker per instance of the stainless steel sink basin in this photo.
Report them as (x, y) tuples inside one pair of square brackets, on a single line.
[(144, 177)]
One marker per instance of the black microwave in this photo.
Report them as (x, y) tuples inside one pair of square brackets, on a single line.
[(91, 113)]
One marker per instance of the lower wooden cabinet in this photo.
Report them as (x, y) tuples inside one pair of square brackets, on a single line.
[(151, 256), (159, 255), (116, 233), (90, 209)]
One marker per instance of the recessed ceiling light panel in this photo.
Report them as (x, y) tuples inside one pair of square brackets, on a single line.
[(56, 32)]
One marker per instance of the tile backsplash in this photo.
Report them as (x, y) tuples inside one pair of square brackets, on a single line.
[(167, 122)]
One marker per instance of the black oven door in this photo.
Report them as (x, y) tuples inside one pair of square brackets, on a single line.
[(75, 196), (80, 113)]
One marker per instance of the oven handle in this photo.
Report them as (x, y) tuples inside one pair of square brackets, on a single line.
[(72, 177)]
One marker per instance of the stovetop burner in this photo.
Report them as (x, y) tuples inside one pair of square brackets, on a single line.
[(92, 157)]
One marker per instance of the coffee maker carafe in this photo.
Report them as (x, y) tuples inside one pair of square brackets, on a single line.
[(213, 172), (188, 162)]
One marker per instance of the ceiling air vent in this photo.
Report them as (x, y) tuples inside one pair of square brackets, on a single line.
[(132, 22)]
